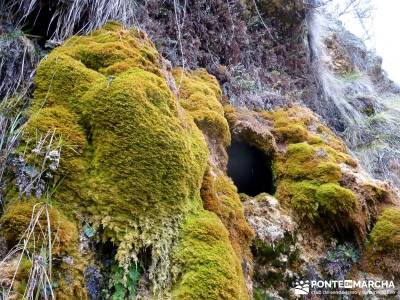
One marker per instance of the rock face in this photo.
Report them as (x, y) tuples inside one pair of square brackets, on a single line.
[(117, 185), (324, 206), (19, 58)]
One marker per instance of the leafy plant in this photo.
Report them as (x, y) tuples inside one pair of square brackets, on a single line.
[(123, 283)]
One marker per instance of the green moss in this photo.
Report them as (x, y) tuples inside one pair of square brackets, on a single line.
[(335, 199), (57, 128), (60, 74), (326, 172), (385, 236), (112, 50), (309, 174), (292, 133), (220, 196), (209, 268), (298, 124), (18, 216), (132, 160), (136, 150), (313, 201), (200, 95), (298, 161), (304, 161), (303, 198)]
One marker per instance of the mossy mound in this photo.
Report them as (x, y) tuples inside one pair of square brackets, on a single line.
[(385, 236), (112, 50), (200, 95), (298, 124), (132, 160), (308, 173), (208, 266), (139, 152), (220, 196)]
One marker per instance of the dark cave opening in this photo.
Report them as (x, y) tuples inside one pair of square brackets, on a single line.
[(250, 169)]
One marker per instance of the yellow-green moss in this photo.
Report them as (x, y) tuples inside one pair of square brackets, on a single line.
[(134, 159), (301, 195), (312, 200), (208, 266), (308, 173), (57, 128), (18, 216), (309, 179), (200, 95), (297, 124), (335, 199), (385, 236), (112, 50), (138, 150), (304, 161), (220, 196)]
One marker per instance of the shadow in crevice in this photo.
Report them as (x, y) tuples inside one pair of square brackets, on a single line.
[(250, 169)]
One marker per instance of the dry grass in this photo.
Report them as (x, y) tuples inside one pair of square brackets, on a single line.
[(39, 254), (76, 16)]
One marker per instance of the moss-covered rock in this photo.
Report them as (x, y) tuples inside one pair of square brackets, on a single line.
[(200, 95), (16, 219), (111, 50), (385, 236), (308, 172), (208, 266), (298, 124), (132, 160), (220, 196), (307, 159), (139, 152)]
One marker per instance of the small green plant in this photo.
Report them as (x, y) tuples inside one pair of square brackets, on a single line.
[(123, 283)]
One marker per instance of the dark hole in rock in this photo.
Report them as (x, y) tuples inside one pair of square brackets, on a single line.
[(250, 169)]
